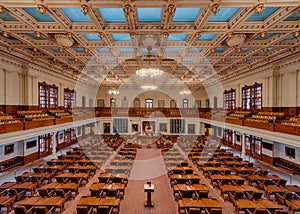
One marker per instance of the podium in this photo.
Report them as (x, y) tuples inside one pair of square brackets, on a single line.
[(148, 188)]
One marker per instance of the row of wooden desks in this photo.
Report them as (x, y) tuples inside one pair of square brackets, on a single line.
[(115, 178), (44, 175), (202, 204), (273, 189), (187, 190), (73, 177), (92, 201), (69, 186), (255, 179), (182, 179), (53, 201), (227, 188), (27, 186), (216, 180), (7, 201), (111, 189), (293, 206), (244, 204)]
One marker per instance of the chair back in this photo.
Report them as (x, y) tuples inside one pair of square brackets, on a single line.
[(37, 170), (20, 210), (257, 195), (289, 196), (43, 192), (194, 211), (239, 195), (282, 182), (203, 194), (59, 179), (260, 211), (82, 209), (19, 179), (240, 182), (60, 192), (12, 192), (40, 210), (215, 211), (103, 210), (281, 212)]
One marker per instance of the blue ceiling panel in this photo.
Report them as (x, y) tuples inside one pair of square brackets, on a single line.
[(103, 50), (195, 50), (268, 11), (121, 37), (245, 49), (289, 37), (5, 16), (55, 49), (149, 14), (171, 50), (144, 50), (224, 15), (207, 60), (187, 60), (37, 16), (110, 59), (294, 17), (186, 14), (220, 50), (126, 50), (112, 15), (75, 15), (177, 37), (32, 35), (79, 50), (206, 37), (92, 37)]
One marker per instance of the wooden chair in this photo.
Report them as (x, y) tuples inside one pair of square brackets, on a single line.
[(18, 195), (255, 195), (66, 195), (84, 210), (19, 179), (281, 212), (213, 211), (281, 182), (194, 211), (22, 210), (287, 196), (104, 210), (34, 179), (236, 196), (61, 180), (257, 211), (43, 210), (45, 192)]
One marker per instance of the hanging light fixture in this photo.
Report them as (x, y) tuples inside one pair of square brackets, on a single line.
[(185, 91), (113, 91), (149, 71)]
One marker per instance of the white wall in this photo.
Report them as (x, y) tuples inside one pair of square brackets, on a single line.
[(18, 151), (33, 149)]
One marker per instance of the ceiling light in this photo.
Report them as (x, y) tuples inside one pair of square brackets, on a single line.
[(215, 9), (42, 9), (296, 34), (37, 34), (236, 40), (113, 91), (185, 91), (149, 87), (152, 72), (64, 40), (5, 33), (263, 34)]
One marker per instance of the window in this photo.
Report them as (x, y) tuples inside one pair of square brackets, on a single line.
[(229, 99), (136, 103), (185, 103), (173, 104), (91, 102), (251, 97), (48, 96), (149, 103), (257, 145), (69, 98), (31, 144), (290, 152), (100, 103), (207, 103), (267, 146), (42, 143), (248, 142), (177, 125), (83, 101), (161, 103), (9, 149), (73, 134), (112, 102), (120, 125), (198, 103)]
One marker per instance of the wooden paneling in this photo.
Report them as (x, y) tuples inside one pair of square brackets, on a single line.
[(259, 125), (267, 159), (39, 123), (30, 158), (11, 127)]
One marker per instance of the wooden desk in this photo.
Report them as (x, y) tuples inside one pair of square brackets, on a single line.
[(149, 188), (202, 204), (92, 201), (53, 201), (96, 188), (187, 203), (118, 169), (70, 186), (190, 189), (273, 189), (243, 204), (216, 170), (227, 188), (236, 163), (6, 185), (27, 186), (182, 179), (44, 175), (115, 178), (71, 176), (84, 169), (208, 203), (181, 169), (260, 178), (244, 170), (293, 206), (60, 162), (293, 188), (225, 179), (6, 201)]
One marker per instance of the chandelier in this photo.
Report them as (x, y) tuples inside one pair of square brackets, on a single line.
[(152, 72), (185, 91), (149, 87), (113, 91)]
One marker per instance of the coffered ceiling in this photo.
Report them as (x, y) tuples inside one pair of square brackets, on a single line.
[(109, 40)]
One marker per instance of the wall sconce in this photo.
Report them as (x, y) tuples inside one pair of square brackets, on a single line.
[(41, 8), (84, 9), (259, 8), (2, 9)]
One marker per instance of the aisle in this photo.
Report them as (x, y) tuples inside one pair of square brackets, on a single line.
[(148, 166)]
